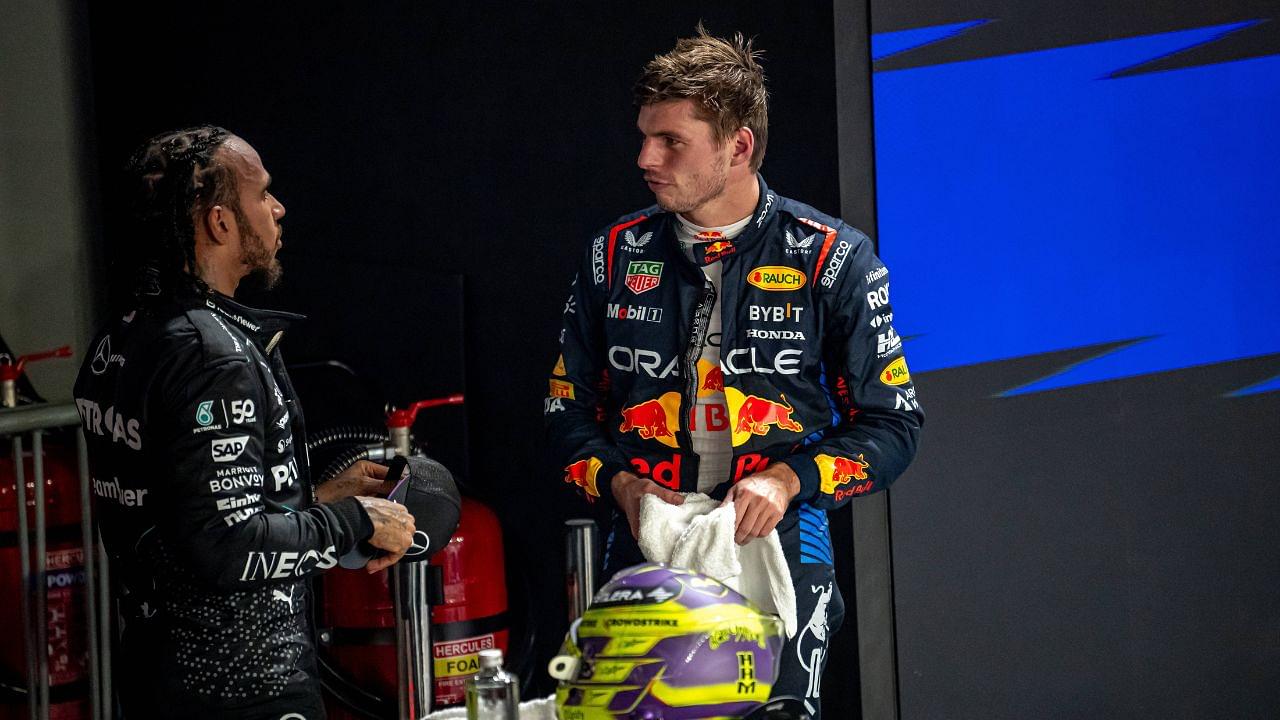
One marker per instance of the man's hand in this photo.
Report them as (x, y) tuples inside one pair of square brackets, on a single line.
[(363, 478), (393, 531), (629, 489), (759, 501)]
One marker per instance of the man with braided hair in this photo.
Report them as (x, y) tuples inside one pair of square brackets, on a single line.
[(731, 341), (197, 453)]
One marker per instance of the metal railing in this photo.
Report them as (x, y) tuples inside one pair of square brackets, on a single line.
[(33, 421)]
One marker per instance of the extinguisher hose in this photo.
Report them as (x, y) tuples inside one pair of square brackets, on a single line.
[(359, 437)]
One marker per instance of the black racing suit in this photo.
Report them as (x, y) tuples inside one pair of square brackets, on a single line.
[(201, 490), (811, 368)]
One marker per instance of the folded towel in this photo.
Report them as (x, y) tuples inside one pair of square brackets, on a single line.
[(698, 536)]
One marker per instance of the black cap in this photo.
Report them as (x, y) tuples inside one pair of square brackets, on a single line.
[(427, 490)]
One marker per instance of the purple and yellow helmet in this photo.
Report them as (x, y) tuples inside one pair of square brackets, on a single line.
[(661, 643)]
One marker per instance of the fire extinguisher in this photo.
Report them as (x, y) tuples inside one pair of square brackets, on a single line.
[(55, 588), (469, 614)]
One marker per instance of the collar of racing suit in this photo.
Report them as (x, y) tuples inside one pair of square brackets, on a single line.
[(709, 252), (264, 327)]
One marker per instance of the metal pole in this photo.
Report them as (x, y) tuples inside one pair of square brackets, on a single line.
[(104, 627), (90, 594), (413, 640), (580, 565), (40, 582), (24, 552)]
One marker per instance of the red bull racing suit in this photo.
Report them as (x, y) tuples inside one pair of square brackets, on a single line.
[(811, 367), (201, 490)]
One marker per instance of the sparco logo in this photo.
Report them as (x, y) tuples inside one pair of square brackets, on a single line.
[(228, 449), (103, 358), (279, 565), (597, 260), (832, 270)]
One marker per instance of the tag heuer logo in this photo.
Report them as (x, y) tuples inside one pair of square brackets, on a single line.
[(643, 275)]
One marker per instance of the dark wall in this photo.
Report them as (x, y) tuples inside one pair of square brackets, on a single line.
[(485, 141)]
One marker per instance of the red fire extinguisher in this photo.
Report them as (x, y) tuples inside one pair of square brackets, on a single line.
[(356, 613), (58, 591)]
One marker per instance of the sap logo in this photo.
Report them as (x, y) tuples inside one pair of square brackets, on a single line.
[(633, 312), (109, 423), (103, 358), (280, 565), (775, 334), (774, 313), (242, 411), (876, 274), (648, 361), (597, 260), (284, 474), (228, 449), (744, 361), (878, 297), (832, 271), (888, 343), (879, 320), (113, 491)]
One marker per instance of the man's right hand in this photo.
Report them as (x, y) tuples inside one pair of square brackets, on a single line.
[(393, 530), (629, 489)]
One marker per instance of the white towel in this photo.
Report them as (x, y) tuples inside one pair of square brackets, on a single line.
[(698, 535)]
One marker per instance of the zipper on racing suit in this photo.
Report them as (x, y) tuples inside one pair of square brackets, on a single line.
[(689, 368)]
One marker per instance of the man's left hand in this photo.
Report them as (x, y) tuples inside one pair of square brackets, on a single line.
[(759, 501), (364, 478)]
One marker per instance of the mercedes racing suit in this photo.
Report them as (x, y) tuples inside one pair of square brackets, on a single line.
[(202, 494), (811, 369)]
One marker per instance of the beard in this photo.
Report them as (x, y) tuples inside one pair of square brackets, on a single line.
[(701, 189), (264, 268)]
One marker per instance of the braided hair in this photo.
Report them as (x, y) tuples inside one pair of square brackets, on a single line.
[(172, 178)]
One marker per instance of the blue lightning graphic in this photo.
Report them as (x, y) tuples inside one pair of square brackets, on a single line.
[(1031, 203)]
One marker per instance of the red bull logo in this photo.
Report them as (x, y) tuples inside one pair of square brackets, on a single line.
[(713, 380), (656, 419), (836, 472), (757, 414), (718, 249), (648, 418), (583, 474)]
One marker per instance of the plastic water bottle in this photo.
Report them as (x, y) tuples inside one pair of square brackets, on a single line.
[(493, 693)]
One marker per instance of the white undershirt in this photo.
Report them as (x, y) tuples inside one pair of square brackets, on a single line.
[(709, 421)]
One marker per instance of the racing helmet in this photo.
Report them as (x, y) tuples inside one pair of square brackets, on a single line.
[(662, 643)]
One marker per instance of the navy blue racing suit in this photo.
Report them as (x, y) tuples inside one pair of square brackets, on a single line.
[(811, 367)]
